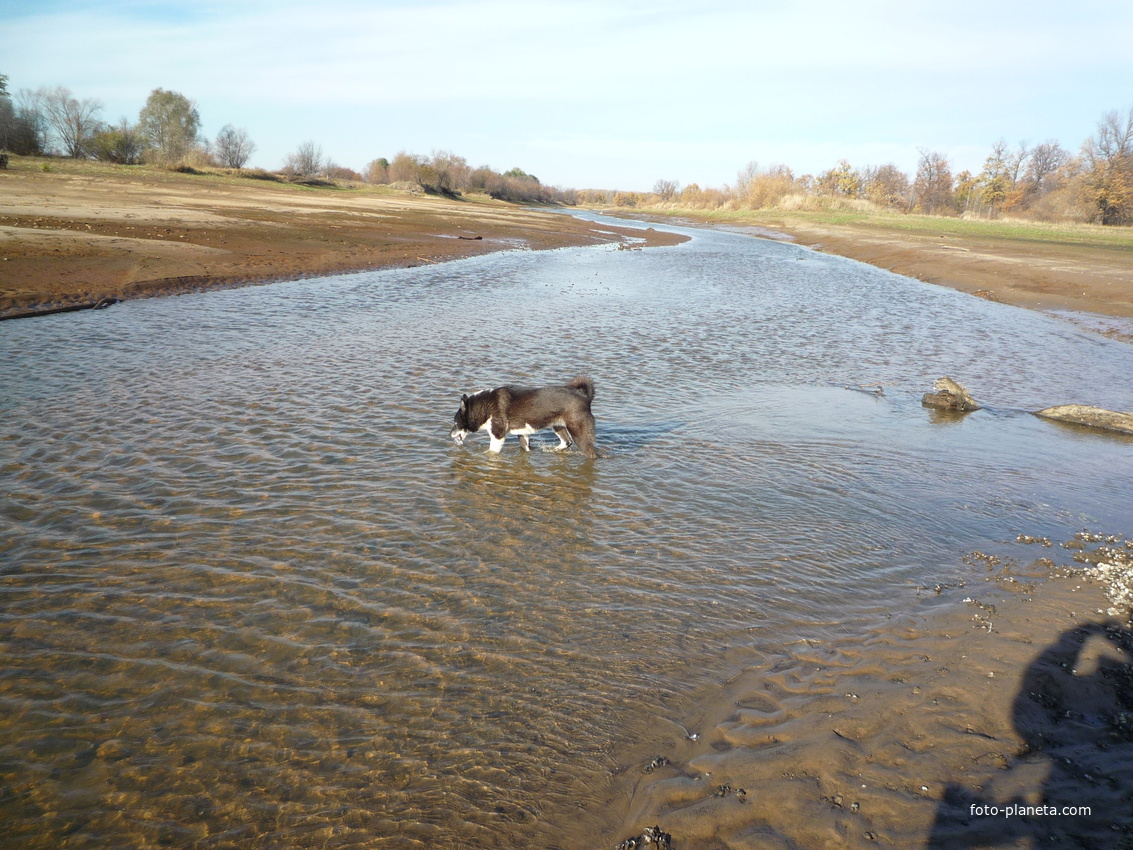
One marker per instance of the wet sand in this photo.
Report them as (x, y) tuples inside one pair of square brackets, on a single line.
[(978, 718), (82, 232)]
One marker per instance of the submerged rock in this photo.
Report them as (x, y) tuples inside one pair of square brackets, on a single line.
[(949, 395), (1093, 417)]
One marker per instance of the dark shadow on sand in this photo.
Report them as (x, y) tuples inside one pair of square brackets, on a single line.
[(1075, 715)]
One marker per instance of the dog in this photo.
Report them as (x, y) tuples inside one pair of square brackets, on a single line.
[(523, 411)]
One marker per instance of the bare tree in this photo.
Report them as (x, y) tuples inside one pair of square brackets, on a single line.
[(1046, 159), (932, 187), (74, 121), (1113, 139), (307, 161), (666, 190), (1014, 163), (451, 172), (745, 178), (233, 147)]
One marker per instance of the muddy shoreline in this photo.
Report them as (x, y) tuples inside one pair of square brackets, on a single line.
[(80, 234)]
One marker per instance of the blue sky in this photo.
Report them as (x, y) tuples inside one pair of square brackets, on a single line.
[(598, 93)]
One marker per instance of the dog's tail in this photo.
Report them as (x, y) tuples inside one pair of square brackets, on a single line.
[(586, 385)]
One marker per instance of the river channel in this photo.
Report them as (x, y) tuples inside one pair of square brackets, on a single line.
[(251, 595)]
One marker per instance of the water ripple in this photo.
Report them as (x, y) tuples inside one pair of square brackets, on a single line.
[(253, 596)]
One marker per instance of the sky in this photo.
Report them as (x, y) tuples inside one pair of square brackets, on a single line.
[(612, 94)]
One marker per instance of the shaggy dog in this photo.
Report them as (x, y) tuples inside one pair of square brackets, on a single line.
[(523, 411)]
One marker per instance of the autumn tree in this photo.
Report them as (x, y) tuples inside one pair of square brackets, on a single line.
[(886, 186), (378, 171), (233, 147), (756, 188), (966, 191), (843, 179), (932, 187), (169, 122), (994, 180), (74, 121), (1108, 160), (405, 167)]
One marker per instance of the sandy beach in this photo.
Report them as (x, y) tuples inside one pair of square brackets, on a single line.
[(78, 232)]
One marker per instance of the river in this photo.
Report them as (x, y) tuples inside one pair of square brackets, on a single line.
[(252, 596)]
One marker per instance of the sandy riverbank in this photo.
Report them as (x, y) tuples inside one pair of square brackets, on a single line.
[(81, 232)]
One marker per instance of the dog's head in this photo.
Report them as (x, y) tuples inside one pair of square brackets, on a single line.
[(461, 426)]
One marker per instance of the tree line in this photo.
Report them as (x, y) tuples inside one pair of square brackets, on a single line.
[(1044, 182), (51, 120)]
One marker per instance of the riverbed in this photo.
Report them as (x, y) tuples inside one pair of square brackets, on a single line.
[(253, 596)]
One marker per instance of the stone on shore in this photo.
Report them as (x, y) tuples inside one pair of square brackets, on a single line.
[(1092, 417), (949, 395)]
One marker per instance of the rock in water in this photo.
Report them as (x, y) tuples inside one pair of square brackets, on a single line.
[(949, 395), (1093, 417)]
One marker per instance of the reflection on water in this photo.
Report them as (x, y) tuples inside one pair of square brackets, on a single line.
[(253, 596)]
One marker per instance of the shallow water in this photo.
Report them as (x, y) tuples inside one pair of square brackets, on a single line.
[(253, 596)]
